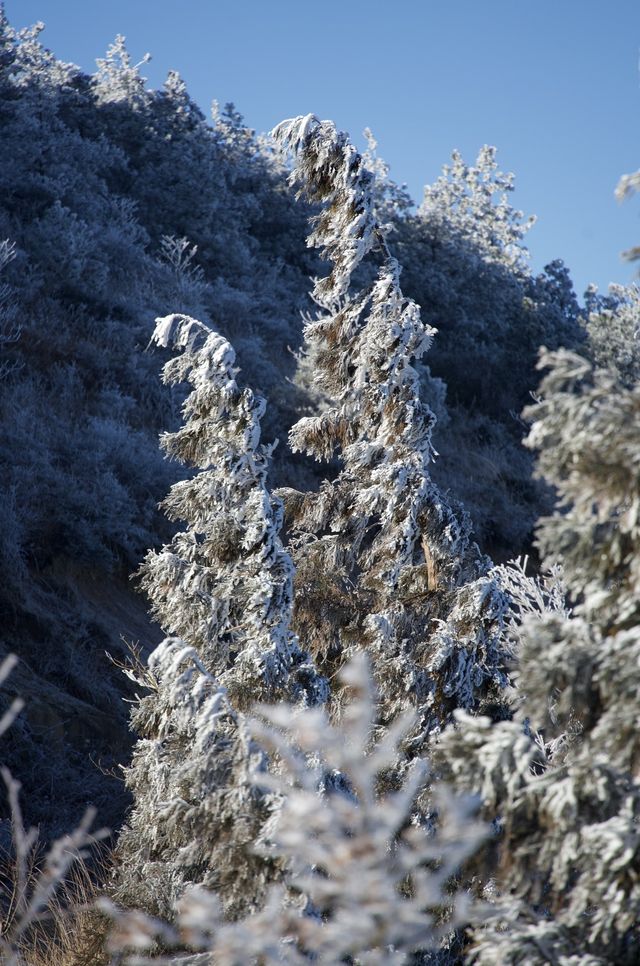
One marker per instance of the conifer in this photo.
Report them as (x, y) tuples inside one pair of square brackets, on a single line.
[(385, 561), (222, 590), (224, 584), (561, 780)]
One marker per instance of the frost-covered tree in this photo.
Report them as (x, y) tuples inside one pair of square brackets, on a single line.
[(561, 780), (222, 588), (384, 561), (224, 585), (465, 262), (360, 882)]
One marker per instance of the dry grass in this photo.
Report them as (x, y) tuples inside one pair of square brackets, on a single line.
[(72, 933), (47, 898)]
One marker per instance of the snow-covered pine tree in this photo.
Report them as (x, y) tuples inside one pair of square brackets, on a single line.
[(224, 584), (384, 561), (222, 589), (562, 779)]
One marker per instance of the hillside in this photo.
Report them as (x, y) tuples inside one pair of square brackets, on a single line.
[(392, 351)]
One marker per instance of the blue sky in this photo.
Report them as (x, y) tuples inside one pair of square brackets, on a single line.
[(554, 84)]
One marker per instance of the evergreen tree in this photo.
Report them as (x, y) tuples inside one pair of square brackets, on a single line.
[(222, 589), (383, 560), (224, 585), (561, 781)]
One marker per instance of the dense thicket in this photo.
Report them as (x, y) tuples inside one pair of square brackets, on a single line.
[(116, 201)]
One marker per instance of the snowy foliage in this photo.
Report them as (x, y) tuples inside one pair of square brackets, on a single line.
[(225, 584), (561, 779), (384, 561), (311, 830), (465, 262), (361, 882), (463, 196), (198, 809)]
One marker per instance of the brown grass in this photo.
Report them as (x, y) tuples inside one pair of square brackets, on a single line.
[(72, 937), (71, 932)]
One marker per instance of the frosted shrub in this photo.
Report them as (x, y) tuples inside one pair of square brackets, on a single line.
[(362, 882)]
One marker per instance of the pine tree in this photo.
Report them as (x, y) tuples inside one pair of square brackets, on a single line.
[(384, 561), (561, 781), (224, 585), (222, 590)]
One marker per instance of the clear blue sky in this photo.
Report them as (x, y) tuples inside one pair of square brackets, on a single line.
[(554, 84)]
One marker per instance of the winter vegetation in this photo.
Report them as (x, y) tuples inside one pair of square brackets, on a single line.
[(351, 673)]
